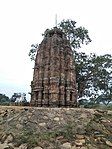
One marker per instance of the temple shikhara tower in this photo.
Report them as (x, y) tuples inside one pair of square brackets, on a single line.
[(54, 80)]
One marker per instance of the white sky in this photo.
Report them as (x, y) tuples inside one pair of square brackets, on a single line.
[(23, 21)]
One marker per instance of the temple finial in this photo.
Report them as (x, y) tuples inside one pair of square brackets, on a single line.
[(56, 20)]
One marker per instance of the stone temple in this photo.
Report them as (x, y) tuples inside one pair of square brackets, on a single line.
[(54, 80)]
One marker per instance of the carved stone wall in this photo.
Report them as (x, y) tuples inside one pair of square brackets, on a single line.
[(54, 81)]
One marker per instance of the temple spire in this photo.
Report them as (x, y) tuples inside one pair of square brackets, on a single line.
[(54, 78), (55, 20)]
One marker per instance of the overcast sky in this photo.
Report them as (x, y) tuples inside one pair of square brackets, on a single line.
[(22, 23)]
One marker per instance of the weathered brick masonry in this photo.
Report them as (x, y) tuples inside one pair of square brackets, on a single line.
[(54, 82)]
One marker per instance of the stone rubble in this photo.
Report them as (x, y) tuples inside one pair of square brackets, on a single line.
[(55, 128)]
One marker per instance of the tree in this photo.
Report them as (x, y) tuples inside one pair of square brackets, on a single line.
[(76, 35), (32, 52), (93, 73), (18, 97), (94, 77), (4, 100)]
